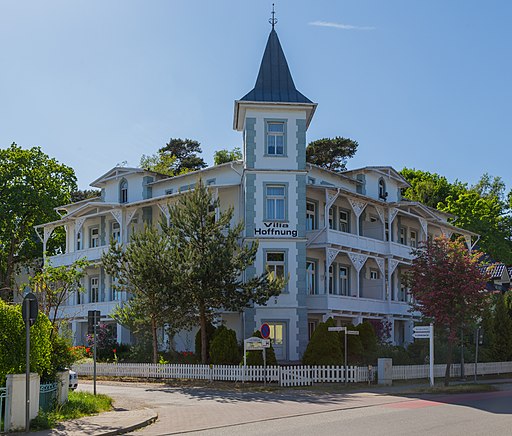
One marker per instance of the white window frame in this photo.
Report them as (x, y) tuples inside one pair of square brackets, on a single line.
[(277, 266), (115, 231), (279, 203), (344, 223), (79, 241), (413, 238), (344, 281), (402, 235), (94, 237), (94, 289), (311, 278), (123, 191), (272, 148), (332, 283), (311, 223), (374, 274)]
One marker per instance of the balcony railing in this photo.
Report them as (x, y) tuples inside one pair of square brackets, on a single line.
[(360, 243), (91, 254)]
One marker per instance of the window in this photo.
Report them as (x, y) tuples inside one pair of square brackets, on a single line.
[(275, 202), (168, 191), (94, 237), (275, 262), (94, 289), (310, 215), (403, 235), (343, 274), (331, 217), (413, 238), (344, 221), (275, 138), (79, 241), (114, 292), (382, 190), (115, 231), (210, 182), (332, 283), (311, 277), (123, 192), (374, 274), (79, 299), (387, 230)]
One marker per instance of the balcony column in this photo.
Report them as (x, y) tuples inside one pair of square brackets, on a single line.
[(330, 255), (358, 260), (358, 207), (424, 229), (118, 216), (330, 198), (392, 264), (392, 213)]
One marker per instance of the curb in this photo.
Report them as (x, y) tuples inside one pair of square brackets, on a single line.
[(132, 427)]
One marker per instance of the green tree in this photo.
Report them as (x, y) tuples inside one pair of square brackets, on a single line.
[(210, 259), (224, 156), (368, 340), (324, 348), (502, 332), (331, 153), (446, 282), (84, 194), (32, 185), (178, 156), (224, 347), (53, 286), (210, 333), (143, 268)]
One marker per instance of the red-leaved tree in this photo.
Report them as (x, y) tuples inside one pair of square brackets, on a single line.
[(448, 287)]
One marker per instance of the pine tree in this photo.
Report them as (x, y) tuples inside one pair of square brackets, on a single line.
[(324, 348), (502, 329)]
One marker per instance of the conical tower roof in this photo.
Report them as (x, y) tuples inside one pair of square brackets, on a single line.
[(274, 82)]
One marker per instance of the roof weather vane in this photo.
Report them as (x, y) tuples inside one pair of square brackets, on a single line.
[(273, 20)]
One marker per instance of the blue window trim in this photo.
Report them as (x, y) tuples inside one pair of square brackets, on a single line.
[(285, 133), (283, 184), (314, 261), (286, 269)]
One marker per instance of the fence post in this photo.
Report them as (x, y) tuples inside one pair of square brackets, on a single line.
[(385, 371), (62, 386)]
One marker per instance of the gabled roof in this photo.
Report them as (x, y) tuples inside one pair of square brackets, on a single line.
[(274, 82), (117, 173), (384, 170)]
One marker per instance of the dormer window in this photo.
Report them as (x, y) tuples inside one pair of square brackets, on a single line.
[(382, 190), (123, 191), (275, 138)]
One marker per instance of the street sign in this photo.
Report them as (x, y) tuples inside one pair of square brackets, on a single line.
[(337, 329), (256, 344), (421, 335), (421, 329), (265, 330), (30, 308), (352, 332)]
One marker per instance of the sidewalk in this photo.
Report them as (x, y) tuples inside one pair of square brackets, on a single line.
[(108, 423)]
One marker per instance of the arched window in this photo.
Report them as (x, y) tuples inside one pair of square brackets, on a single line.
[(382, 189), (123, 191)]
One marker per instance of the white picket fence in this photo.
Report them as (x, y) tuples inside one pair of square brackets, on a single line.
[(408, 372), (284, 375)]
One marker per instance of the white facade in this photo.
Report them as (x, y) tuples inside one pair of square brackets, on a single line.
[(343, 239)]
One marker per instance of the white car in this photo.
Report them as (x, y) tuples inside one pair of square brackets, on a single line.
[(73, 380)]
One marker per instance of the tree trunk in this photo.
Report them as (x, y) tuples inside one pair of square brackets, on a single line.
[(204, 335), (155, 341), (448, 362)]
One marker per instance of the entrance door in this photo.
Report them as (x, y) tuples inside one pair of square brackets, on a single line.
[(278, 337)]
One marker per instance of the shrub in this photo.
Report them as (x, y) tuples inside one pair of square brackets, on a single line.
[(106, 341), (355, 346), (324, 348), (12, 343), (398, 354), (255, 358), (224, 347), (368, 341)]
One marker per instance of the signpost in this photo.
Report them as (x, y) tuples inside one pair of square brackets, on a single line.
[(93, 320), (347, 332), (427, 332), (29, 310), (265, 330), (254, 344)]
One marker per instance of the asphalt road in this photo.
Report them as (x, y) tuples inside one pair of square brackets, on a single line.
[(206, 411)]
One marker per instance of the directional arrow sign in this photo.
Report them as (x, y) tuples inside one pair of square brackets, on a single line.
[(421, 329), (421, 335), (337, 329)]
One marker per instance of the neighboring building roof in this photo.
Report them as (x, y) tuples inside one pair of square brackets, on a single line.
[(495, 271), (385, 170), (274, 82), (118, 172)]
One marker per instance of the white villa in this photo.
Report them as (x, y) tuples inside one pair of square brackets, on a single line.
[(344, 239)]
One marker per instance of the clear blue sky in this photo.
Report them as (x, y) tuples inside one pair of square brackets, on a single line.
[(423, 84)]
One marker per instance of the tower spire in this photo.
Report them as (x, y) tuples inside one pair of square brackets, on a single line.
[(273, 20)]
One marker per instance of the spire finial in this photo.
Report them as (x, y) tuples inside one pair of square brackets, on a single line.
[(273, 20)]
